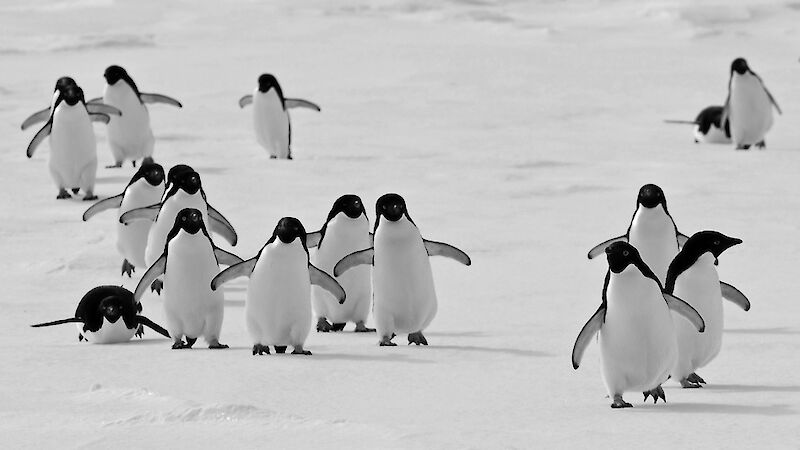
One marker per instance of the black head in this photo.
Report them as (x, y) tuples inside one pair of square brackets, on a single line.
[(349, 204), (72, 95), (176, 171), (709, 241), (739, 65), (152, 172), (189, 182), (288, 229), (63, 83), (651, 196), (391, 206), (111, 308), (114, 74), (620, 255), (266, 82), (189, 220)]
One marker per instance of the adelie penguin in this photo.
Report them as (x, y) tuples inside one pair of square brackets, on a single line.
[(402, 280), (278, 306), (748, 106), (145, 188), (652, 231), (61, 85), (130, 136), (108, 315), (693, 277), (638, 347), (73, 149), (271, 116), (189, 262), (345, 231), (708, 126)]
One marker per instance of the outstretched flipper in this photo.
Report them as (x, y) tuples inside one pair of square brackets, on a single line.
[(326, 282), (227, 258), (142, 320), (246, 100), (223, 229), (313, 238), (155, 271), (366, 256), (38, 116), (159, 98), (600, 248), (58, 322), (243, 269), (440, 248), (300, 103), (39, 138), (682, 238), (99, 117), (95, 100), (686, 310), (588, 331), (96, 108), (144, 213), (681, 122), (107, 203), (734, 295)]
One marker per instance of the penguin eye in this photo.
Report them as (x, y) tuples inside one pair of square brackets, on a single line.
[(625, 253), (716, 242)]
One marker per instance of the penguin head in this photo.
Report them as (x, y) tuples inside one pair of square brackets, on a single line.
[(288, 229), (266, 82), (189, 182), (651, 196), (114, 74), (153, 173), (620, 255), (189, 220), (176, 171), (72, 95), (391, 206), (349, 204), (110, 308), (63, 83), (739, 65), (709, 241)]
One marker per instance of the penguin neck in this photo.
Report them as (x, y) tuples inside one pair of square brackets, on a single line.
[(629, 288), (186, 244), (293, 252), (650, 217), (344, 226), (398, 230)]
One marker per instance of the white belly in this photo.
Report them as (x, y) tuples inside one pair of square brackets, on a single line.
[(271, 123), (73, 149), (132, 238), (637, 341), (715, 135), (653, 234), (109, 333), (278, 307), (750, 110), (157, 236), (129, 133)]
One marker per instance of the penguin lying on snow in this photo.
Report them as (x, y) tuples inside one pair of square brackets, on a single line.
[(108, 315), (708, 126), (638, 347), (62, 84)]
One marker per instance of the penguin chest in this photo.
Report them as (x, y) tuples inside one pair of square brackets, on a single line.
[(652, 232), (132, 129), (750, 110), (132, 238), (715, 135), (271, 123), (278, 296), (72, 141), (157, 237), (191, 265), (699, 286), (109, 333)]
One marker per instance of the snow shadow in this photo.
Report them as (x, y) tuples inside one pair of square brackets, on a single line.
[(507, 351), (751, 388), (392, 358), (717, 408), (773, 330)]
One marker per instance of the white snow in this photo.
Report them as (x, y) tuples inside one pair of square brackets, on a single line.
[(517, 131)]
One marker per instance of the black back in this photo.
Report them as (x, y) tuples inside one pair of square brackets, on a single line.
[(90, 309), (709, 116), (700, 243), (113, 74)]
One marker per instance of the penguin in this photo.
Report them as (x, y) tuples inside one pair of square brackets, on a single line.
[(748, 106), (108, 315), (638, 347), (652, 231), (61, 84), (130, 136), (73, 150), (404, 297), (271, 116), (693, 277), (145, 188), (189, 262), (345, 230), (278, 305), (708, 126)]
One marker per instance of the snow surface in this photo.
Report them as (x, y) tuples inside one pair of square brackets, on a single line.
[(518, 131)]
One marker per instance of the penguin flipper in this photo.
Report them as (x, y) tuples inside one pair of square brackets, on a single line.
[(441, 249), (227, 258), (223, 228), (99, 117), (151, 275), (601, 247), (246, 100), (313, 238), (39, 137), (686, 310), (38, 116), (142, 320), (159, 98), (300, 103), (102, 205), (366, 256), (143, 213), (588, 331), (58, 322), (95, 100), (326, 282), (734, 295), (98, 107), (682, 238), (681, 122), (242, 269)]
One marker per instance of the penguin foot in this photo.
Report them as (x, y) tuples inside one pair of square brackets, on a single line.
[(280, 349), (140, 331), (761, 145), (116, 165), (273, 157), (180, 345), (386, 341), (190, 341), (361, 328), (259, 349), (89, 197), (157, 286), (686, 384), (656, 393), (75, 190), (323, 325), (338, 326), (743, 147), (695, 378), (299, 351), (80, 337), (62, 194), (127, 268), (217, 346), (620, 403), (417, 338)]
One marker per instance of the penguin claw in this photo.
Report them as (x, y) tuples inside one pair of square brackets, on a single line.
[(386, 341), (338, 326), (140, 331), (323, 325), (361, 328), (75, 190), (80, 337), (89, 197), (116, 165), (620, 403), (300, 351), (62, 194), (127, 268), (280, 349), (179, 345), (695, 378), (259, 349), (687, 384), (656, 393), (190, 341), (157, 286), (218, 346), (417, 338)]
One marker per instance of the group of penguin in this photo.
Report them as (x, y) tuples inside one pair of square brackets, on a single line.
[(746, 116), (165, 224), (661, 311), (73, 148)]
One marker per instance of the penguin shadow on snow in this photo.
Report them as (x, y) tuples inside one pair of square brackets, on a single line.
[(773, 330), (371, 358), (749, 388), (717, 408), (508, 351)]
